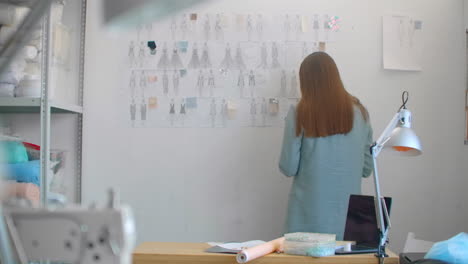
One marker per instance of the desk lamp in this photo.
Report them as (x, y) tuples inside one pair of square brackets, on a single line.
[(401, 139)]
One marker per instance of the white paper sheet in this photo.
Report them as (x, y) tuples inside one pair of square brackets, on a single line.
[(402, 43), (232, 247)]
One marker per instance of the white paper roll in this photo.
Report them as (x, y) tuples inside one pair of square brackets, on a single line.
[(347, 247), (29, 52), (7, 14), (7, 90), (32, 68), (242, 257), (5, 33), (252, 253), (12, 15)]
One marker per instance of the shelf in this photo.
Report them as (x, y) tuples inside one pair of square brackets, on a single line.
[(17, 105)]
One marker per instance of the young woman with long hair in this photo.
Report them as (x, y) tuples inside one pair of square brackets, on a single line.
[(325, 148)]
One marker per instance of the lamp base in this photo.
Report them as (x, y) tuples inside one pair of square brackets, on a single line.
[(381, 255)]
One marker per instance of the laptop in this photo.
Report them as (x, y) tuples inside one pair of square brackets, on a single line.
[(361, 224)]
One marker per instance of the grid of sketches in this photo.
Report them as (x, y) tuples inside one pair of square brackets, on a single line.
[(219, 70)]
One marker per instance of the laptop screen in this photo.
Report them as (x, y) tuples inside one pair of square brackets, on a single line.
[(361, 220)]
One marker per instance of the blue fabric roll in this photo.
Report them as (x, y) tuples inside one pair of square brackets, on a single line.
[(12, 152), (27, 172)]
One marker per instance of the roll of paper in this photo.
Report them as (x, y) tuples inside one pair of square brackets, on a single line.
[(12, 15), (252, 253), (5, 33), (7, 90), (7, 14), (29, 52)]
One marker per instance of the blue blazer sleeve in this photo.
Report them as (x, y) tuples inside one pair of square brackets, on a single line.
[(368, 160), (291, 149)]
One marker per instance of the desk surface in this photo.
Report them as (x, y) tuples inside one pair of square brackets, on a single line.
[(193, 253)]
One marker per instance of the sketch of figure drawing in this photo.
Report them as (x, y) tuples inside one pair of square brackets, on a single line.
[(305, 50), (274, 56), (132, 82), (173, 28), (227, 62), (263, 56), (239, 60), (224, 112), (211, 83), (316, 27), (165, 83), (207, 27), (141, 54), (149, 29), (253, 112), (282, 92), (298, 27), (175, 82), (402, 32), (200, 83), (143, 111), (164, 60), (213, 112), (184, 26), (205, 59), (182, 112), (293, 91), (259, 27), (175, 60), (286, 27), (172, 112), (326, 26), (133, 112), (139, 28), (241, 83), (219, 34), (251, 83), (263, 111), (249, 27), (131, 53), (142, 80), (194, 60), (411, 29)]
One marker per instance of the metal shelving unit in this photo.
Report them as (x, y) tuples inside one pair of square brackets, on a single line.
[(45, 107), (33, 105)]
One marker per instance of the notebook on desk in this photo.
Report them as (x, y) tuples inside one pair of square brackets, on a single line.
[(361, 224)]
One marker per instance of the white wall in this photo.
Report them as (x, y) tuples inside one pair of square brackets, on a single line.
[(465, 8), (223, 184)]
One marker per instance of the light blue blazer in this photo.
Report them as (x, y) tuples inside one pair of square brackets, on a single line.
[(325, 171)]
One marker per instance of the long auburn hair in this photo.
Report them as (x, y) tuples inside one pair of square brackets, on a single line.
[(325, 108)]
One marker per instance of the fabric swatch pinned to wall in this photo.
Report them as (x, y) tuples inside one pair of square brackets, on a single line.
[(182, 46), (273, 106), (191, 102), (304, 24), (152, 103), (231, 109)]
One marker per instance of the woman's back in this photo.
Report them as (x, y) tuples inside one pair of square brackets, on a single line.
[(326, 146)]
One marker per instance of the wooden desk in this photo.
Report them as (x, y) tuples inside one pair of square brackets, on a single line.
[(193, 253)]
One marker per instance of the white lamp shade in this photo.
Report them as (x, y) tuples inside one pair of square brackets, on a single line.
[(404, 141)]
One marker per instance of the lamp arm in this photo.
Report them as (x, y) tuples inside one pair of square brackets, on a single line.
[(377, 201), (380, 206), (385, 135)]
